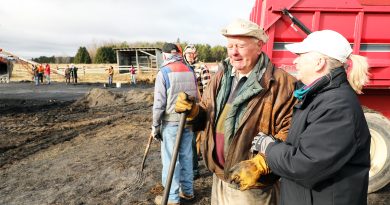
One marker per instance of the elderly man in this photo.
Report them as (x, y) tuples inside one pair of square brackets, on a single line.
[(249, 96), (173, 77), (201, 71)]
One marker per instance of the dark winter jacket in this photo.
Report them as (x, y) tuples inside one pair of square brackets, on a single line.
[(326, 158), (264, 104)]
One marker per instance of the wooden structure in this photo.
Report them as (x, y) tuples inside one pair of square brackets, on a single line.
[(144, 59), (5, 68)]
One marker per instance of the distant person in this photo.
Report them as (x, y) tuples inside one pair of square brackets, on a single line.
[(35, 73), (132, 75), (110, 75), (173, 77), (74, 74), (71, 72), (41, 70), (67, 74), (32, 72), (47, 73), (202, 74)]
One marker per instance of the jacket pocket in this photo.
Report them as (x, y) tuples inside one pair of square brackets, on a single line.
[(292, 193)]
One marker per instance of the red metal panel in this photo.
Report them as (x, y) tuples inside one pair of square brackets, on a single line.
[(316, 21), (328, 4), (367, 28), (375, 2), (269, 45), (377, 59), (377, 100), (380, 74), (358, 32), (344, 24), (269, 6), (376, 28), (256, 12)]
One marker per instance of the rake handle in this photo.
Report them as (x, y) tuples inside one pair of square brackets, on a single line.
[(146, 152)]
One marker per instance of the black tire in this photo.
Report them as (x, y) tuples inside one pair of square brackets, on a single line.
[(380, 151)]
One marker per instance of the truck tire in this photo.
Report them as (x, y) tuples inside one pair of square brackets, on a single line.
[(380, 151)]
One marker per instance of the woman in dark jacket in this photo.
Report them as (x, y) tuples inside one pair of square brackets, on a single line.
[(326, 158)]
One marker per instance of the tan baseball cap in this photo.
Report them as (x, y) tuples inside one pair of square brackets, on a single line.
[(241, 27)]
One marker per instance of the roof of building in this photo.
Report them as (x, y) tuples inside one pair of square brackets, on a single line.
[(137, 48)]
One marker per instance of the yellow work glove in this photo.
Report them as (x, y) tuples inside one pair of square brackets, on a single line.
[(247, 173), (185, 103)]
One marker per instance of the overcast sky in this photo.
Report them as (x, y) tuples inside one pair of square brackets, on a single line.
[(31, 28)]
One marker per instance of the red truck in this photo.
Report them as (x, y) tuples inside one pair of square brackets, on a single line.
[(366, 25)]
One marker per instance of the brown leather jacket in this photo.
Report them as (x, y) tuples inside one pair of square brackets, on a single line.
[(268, 111)]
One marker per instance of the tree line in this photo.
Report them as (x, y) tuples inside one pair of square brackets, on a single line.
[(106, 53)]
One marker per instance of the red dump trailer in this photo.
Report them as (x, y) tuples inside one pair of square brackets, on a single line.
[(366, 25)]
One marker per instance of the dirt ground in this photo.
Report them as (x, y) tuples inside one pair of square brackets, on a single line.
[(85, 151), (83, 145)]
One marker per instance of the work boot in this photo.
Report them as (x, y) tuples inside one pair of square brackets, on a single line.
[(159, 198), (186, 197)]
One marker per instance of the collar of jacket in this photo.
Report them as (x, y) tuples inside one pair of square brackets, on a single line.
[(172, 59), (327, 82), (226, 82), (263, 77), (196, 66), (259, 79)]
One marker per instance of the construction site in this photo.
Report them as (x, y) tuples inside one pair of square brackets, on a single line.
[(84, 142), (78, 144)]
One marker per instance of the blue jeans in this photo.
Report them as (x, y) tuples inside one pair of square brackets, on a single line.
[(133, 79), (110, 80), (36, 78), (183, 176), (48, 79)]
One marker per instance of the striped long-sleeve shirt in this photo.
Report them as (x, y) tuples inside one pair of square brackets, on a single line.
[(202, 76)]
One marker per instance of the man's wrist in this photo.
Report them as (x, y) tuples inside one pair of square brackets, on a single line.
[(155, 130), (261, 142)]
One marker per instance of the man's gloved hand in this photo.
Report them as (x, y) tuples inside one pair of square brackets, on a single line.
[(185, 103), (156, 133), (247, 173), (261, 142)]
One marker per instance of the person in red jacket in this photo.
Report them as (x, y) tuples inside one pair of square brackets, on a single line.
[(47, 73), (132, 75)]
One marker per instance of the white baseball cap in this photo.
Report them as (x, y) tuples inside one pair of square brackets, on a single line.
[(241, 27), (327, 42)]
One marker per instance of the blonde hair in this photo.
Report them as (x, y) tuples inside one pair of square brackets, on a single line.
[(358, 75)]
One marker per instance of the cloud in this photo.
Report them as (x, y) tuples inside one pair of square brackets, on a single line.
[(60, 27)]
